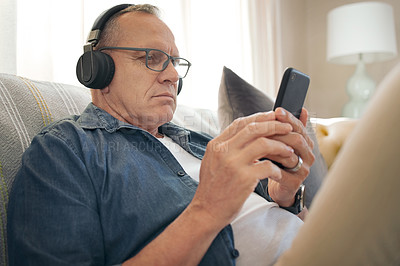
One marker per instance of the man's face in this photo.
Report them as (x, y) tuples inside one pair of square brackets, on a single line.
[(138, 95)]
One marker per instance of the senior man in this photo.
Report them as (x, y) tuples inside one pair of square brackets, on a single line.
[(120, 184)]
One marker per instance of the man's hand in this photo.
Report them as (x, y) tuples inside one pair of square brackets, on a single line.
[(282, 191), (231, 168), (230, 171)]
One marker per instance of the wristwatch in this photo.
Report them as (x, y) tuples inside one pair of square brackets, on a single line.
[(298, 205), (299, 198)]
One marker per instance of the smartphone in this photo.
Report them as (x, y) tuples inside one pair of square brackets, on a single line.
[(292, 91)]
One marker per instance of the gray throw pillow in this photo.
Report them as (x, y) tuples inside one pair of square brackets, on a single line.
[(237, 98)]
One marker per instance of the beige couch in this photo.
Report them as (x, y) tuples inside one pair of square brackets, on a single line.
[(26, 106)]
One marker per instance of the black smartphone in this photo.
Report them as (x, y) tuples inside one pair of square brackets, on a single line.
[(292, 91), (291, 96)]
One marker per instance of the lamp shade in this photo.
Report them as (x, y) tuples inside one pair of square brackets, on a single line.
[(365, 28)]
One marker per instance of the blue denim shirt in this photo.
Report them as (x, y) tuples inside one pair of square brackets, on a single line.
[(93, 190)]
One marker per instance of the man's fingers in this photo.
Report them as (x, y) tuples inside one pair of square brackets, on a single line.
[(267, 169), (288, 161), (300, 145), (264, 147), (298, 126), (286, 117), (239, 123), (304, 116), (254, 131)]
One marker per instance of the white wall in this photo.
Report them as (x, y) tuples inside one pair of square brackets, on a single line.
[(304, 40), (9, 38)]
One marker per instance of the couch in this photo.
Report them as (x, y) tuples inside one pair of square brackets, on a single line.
[(26, 106)]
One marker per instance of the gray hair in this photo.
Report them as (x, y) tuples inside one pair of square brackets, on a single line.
[(111, 32)]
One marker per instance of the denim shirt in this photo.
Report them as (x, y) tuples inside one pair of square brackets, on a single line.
[(94, 190)]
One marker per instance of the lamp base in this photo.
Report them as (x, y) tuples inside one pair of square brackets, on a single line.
[(360, 88), (353, 109)]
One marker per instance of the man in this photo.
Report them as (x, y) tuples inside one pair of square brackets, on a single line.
[(102, 189)]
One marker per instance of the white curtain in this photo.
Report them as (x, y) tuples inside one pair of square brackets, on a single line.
[(43, 39), (265, 30), (49, 39)]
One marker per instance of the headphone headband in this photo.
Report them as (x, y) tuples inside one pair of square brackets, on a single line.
[(101, 21)]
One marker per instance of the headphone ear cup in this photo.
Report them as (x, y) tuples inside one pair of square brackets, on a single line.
[(95, 69)]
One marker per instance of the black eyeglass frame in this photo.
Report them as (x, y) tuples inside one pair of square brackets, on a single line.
[(147, 50)]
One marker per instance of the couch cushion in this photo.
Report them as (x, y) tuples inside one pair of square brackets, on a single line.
[(26, 106), (332, 133), (238, 98), (197, 119)]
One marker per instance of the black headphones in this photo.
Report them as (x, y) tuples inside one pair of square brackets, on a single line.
[(96, 69)]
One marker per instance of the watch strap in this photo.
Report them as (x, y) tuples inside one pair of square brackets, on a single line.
[(298, 205)]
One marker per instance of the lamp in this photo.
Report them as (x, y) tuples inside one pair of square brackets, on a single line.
[(360, 33)]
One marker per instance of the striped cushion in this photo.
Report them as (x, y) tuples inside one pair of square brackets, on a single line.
[(26, 106)]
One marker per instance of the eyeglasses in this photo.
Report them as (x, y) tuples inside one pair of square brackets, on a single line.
[(158, 60)]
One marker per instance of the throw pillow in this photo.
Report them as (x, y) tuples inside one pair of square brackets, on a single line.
[(237, 98)]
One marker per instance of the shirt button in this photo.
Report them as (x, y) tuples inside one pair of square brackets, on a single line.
[(235, 253), (180, 173)]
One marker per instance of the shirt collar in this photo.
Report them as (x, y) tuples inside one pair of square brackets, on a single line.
[(94, 117)]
